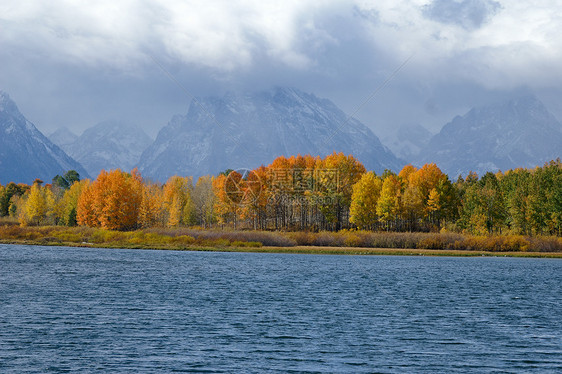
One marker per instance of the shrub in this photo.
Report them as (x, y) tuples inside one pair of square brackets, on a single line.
[(301, 237), (68, 236), (327, 239)]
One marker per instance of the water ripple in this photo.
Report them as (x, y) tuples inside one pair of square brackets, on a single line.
[(94, 310)]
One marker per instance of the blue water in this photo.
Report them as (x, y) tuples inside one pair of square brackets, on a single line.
[(100, 310)]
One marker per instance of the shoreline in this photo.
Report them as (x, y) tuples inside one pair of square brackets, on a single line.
[(317, 250)]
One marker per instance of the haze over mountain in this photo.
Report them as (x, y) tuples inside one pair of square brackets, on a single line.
[(107, 145), (247, 130), (25, 153), (408, 141), (520, 132), (63, 137)]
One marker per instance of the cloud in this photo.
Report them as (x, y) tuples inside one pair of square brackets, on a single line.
[(470, 14), (95, 59), (231, 37), (497, 45), (222, 35)]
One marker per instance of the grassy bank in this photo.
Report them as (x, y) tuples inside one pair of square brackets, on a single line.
[(344, 242)]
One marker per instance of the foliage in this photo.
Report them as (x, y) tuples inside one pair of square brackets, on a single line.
[(112, 201), (363, 207), (303, 193), (38, 206)]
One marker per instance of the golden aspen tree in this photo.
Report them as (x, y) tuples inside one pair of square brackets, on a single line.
[(35, 207), (204, 200), (39, 206), (406, 171), (336, 177), (177, 200), (68, 205), (433, 204), (366, 193), (85, 208), (188, 215), (151, 210), (228, 196), (112, 201), (388, 206)]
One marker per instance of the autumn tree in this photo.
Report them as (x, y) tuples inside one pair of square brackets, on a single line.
[(226, 192), (112, 201), (336, 176), (427, 180), (86, 212), (388, 206), (204, 201), (67, 206), (178, 201), (38, 207), (8, 195), (364, 199), (152, 211)]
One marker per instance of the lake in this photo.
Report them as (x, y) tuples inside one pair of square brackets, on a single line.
[(135, 311)]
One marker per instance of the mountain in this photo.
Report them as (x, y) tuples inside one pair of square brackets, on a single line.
[(408, 141), (247, 130), (25, 153), (520, 132), (63, 137), (107, 145)]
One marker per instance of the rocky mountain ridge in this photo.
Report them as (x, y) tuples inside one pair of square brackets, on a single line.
[(247, 130), (25, 153)]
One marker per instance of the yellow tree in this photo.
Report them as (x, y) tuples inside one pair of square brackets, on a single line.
[(433, 203), (39, 206), (336, 176), (412, 206), (388, 206), (3, 201), (151, 210), (426, 179), (177, 200), (204, 201), (67, 207), (366, 193), (407, 171), (228, 195), (349, 171)]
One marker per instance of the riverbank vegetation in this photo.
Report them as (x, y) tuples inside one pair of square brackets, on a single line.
[(344, 241), (296, 201)]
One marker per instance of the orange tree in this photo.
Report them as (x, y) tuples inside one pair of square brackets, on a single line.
[(112, 201)]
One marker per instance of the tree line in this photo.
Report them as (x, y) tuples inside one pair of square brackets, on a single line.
[(301, 193)]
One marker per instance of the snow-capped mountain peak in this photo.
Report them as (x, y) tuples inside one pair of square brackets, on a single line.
[(250, 129)]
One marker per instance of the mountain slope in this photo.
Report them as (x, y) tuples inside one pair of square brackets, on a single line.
[(108, 145), (518, 133), (247, 130), (63, 137), (25, 153)]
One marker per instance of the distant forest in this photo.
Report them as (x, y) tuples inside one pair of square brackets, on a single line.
[(301, 193)]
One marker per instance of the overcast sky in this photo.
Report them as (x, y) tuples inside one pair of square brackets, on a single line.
[(76, 63)]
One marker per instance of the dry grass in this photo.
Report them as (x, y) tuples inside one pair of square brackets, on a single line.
[(357, 242)]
